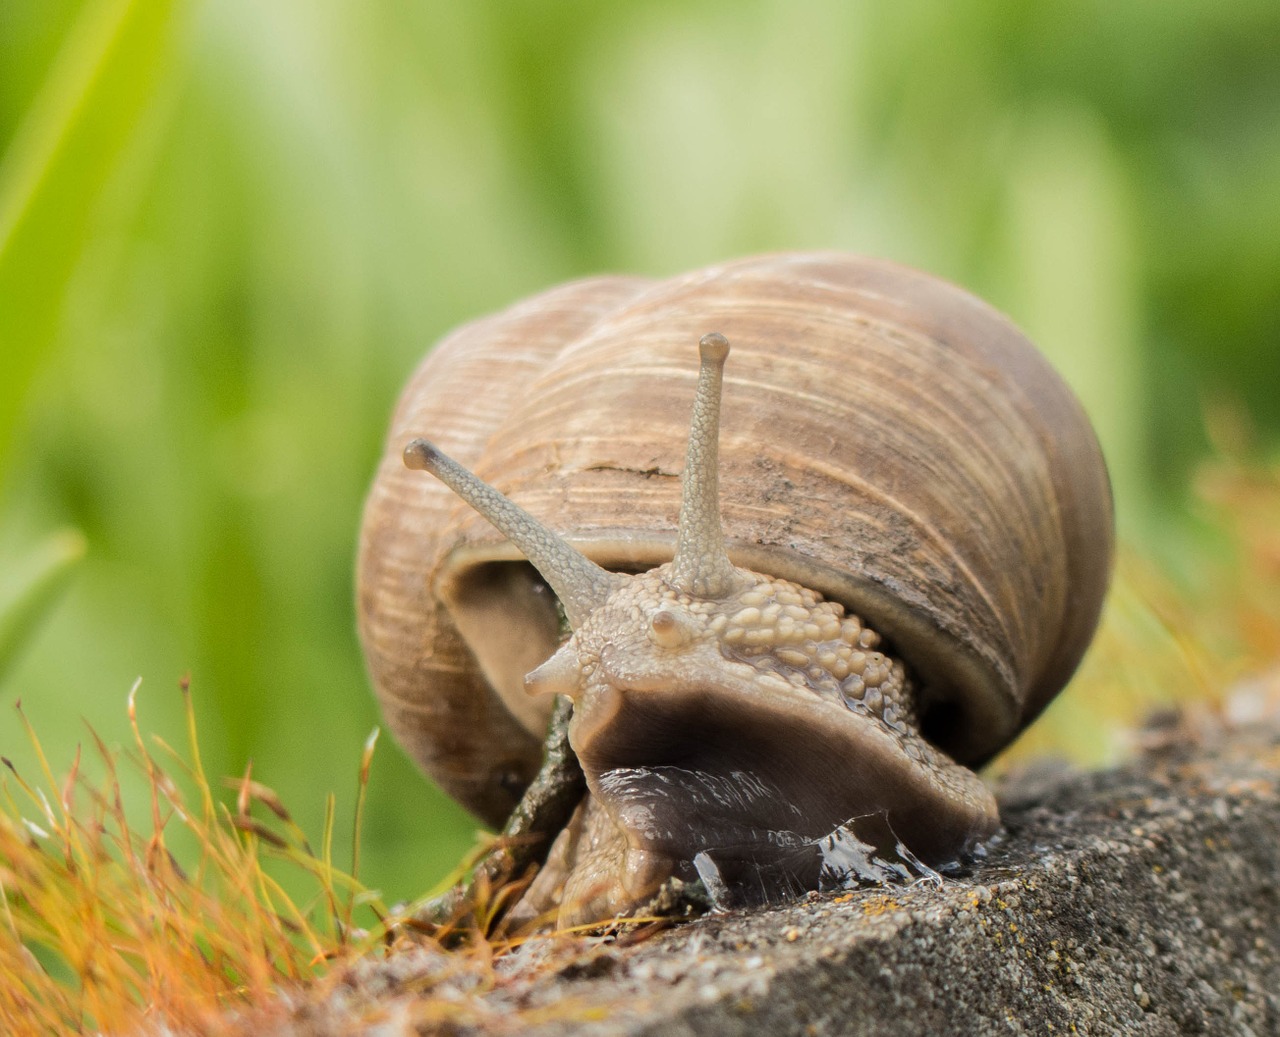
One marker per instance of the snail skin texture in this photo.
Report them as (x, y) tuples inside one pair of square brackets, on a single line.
[(780, 688)]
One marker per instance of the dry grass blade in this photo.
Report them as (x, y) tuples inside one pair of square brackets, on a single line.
[(1170, 642)]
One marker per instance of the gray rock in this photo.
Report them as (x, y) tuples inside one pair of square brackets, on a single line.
[(1143, 900)]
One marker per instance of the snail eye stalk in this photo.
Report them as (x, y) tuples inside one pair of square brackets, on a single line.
[(580, 584), (701, 566)]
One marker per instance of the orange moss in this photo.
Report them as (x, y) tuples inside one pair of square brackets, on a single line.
[(101, 927)]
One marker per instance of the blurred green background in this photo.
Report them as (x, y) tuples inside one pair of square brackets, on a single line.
[(229, 229)]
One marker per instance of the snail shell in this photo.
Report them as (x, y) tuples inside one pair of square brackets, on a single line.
[(889, 442)]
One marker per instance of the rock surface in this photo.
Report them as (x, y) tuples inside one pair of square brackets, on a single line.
[(1142, 900)]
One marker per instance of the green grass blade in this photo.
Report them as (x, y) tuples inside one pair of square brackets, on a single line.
[(54, 171), (31, 595)]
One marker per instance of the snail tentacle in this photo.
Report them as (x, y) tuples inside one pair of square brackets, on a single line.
[(701, 566), (580, 584)]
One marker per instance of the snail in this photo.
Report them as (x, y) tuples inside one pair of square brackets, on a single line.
[(786, 655)]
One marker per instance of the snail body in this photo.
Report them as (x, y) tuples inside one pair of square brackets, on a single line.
[(906, 564)]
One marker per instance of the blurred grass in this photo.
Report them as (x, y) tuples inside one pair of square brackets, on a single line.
[(232, 228), (55, 168), (30, 593)]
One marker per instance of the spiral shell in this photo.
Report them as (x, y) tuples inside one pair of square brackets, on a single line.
[(888, 440)]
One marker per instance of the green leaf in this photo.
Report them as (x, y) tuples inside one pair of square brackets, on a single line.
[(27, 598), (56, 167)]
